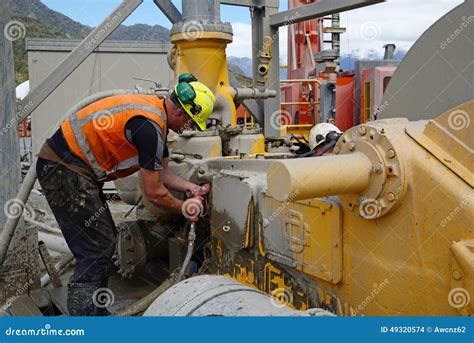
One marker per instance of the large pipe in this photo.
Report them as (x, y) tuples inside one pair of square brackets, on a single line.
[(43, 227), (205, 10), (54, 242), (217, 295), (12, 221), (306, 178)]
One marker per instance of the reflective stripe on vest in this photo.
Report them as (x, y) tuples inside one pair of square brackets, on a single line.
[(77, 124)]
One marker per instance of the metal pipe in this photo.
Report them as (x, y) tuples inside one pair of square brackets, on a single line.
[(293, 47), (306, 178), (310, 50), (43, 227), (54, 242), (321, 34), (300, 80), (60, 266), (205, 10), (389, 50), (299, 103), (251, 93), (12, 221)]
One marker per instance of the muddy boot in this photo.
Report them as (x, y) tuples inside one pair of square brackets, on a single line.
[(82, 300)]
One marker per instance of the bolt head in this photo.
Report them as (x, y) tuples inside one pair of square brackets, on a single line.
[(391, 153), (391, 197), (377, 168), (457, 275), (362, 130), (352, 146)]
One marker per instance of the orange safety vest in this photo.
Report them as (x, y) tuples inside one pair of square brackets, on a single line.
[(96, 133)]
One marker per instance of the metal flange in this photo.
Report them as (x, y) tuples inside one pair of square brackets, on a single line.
[(388, 183), (130, 256)]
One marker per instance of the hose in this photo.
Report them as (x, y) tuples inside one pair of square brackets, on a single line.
[(30, 178), (189, 252)]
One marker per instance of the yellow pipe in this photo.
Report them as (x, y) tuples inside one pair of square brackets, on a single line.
[(306, 178)]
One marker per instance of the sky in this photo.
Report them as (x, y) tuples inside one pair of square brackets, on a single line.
[(395, 21)]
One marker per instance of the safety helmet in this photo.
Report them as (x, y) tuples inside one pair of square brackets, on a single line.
[(195, 98), (319, 133)]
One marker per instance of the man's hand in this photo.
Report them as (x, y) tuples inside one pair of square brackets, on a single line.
[(193, 208), (196, 191)]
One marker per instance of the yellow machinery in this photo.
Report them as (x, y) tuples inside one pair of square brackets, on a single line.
[(381, 227)]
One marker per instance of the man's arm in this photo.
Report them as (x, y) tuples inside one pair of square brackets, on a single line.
[(172, 181), (156, 192)]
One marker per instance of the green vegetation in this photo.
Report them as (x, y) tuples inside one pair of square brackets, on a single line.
[(33, 29)]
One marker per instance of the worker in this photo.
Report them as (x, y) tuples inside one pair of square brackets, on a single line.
[(108, 139)]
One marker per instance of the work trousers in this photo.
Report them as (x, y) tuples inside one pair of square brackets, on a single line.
[(81, 210)]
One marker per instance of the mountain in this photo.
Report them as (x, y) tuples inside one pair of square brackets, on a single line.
[(243, 63), (42, 22), (140, 32), (348, 60), (50, 19), (72, 29)]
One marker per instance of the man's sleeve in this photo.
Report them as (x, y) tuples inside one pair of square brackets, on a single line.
[(147, 136)]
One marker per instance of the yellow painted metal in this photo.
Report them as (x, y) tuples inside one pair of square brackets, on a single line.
[(301, 130), (305, 178), (313, 230), (417, 259), (205, 57), (450, 139), (462, 283)]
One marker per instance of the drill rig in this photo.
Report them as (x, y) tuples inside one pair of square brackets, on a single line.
[(358, 232)]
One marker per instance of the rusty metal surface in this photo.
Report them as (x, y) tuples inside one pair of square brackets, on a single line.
[(49, 265)]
